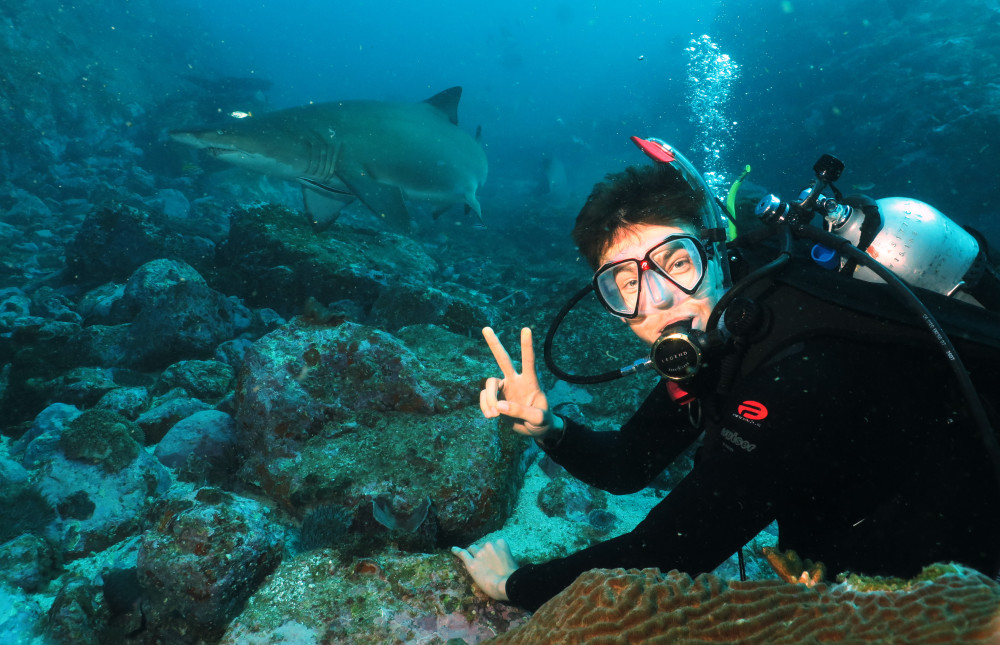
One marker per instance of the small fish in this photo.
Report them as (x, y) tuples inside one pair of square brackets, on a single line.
[(863, 187)]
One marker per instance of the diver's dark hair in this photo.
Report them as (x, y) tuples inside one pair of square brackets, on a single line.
[(648, 194)]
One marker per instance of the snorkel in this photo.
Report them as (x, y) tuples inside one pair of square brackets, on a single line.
[(715, 226)]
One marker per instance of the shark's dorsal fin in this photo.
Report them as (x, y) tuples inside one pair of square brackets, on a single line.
[(447, 102)]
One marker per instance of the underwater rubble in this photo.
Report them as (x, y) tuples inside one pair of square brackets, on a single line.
[(176, 443)]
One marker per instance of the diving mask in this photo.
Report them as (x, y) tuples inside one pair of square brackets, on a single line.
[(679, 260)]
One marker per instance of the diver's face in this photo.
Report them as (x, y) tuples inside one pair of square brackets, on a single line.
[(669, 305)]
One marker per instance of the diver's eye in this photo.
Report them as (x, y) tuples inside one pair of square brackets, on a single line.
[(680, 265), (673, 260), (627, 277)]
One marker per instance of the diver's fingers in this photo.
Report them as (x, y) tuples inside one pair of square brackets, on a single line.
[(463, 555), (528, 355), (499, 353), (528, 414), (488, 397)]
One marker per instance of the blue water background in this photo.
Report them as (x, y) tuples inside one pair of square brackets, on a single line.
[(540, 78)]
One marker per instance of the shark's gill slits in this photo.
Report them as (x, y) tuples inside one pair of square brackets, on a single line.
[(321, 161), (314, 147)]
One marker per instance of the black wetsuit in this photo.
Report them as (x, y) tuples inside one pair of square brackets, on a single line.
[(861, 449)]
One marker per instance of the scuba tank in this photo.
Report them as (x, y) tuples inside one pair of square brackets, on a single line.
[(914, 240)]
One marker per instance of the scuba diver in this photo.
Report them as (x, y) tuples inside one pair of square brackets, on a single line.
[(820, 402)]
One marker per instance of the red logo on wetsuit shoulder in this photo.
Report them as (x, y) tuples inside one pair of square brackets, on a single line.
[(752, 410)]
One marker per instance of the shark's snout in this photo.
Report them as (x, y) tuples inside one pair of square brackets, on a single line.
[(188, 137)]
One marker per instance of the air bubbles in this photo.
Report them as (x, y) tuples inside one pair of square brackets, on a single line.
[(711, 76)]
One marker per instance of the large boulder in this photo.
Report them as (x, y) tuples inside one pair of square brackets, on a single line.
[(115, 240), (448, 305), (177, 316), (201, 558), (351, 416), (168, 313), (200, 447), (272, 258), (98, 478)]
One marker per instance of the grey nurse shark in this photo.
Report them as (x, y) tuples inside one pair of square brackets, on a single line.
[(374, 151)]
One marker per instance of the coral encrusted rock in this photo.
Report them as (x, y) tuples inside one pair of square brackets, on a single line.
[(199, 562), (945, 604), (102, 437), (274, 260), (391, 597), (351, 415)]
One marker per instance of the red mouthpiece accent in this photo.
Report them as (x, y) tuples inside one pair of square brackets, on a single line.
[(679, 394), (654, 150)]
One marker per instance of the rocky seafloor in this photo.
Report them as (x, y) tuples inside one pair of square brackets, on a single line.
[(221, 426), (272, 435)]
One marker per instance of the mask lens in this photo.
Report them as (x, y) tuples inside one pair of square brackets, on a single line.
[(681, 261), (618, 287)]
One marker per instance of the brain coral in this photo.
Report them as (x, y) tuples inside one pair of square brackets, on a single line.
[(945, 604)]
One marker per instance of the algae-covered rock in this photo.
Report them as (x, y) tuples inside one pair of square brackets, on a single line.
[(99, 508), (77, 614), (273, 259), (203, 556), (102, 437), (350, 415), (205, 380), (23, 509), (390, 597), (28, 562), (129, 402), (115, 240), (452, 306), (187, 318), (82, 386)]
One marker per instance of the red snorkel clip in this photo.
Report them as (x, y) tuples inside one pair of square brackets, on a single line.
[(655, 150)]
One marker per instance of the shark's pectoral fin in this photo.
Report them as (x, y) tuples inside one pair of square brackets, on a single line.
[(384, 200), (323, 204), (321, 187)]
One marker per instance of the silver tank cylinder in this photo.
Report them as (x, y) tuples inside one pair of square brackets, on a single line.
[(919, 243)]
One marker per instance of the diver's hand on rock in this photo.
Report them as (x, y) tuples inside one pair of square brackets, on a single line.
[(517, 396), (489, 565)]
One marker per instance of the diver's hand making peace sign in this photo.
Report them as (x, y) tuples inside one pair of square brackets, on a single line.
[(517, 396)]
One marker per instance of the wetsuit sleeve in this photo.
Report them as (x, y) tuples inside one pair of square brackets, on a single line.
[(746, 473), (627, 460), (706, 518)]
